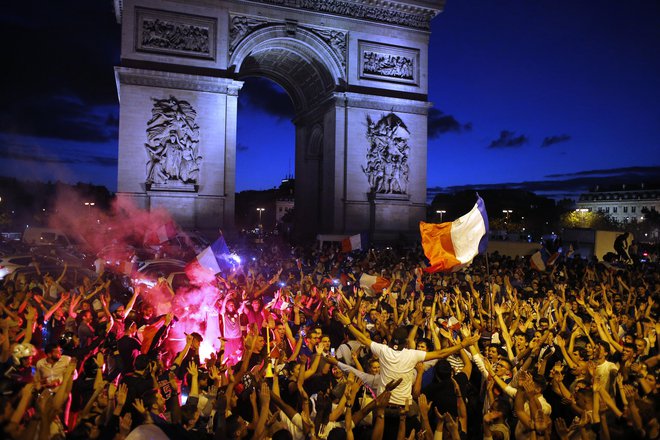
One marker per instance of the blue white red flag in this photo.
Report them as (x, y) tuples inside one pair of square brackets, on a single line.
[(216, 257), (541, 260), (160, 234), (354, 243), (373, 283)]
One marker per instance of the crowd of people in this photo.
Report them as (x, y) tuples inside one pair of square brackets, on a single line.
[(494, 351)]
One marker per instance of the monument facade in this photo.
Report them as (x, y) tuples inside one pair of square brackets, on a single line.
[(355, 70)]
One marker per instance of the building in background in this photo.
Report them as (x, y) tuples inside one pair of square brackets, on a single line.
[(623, 203)]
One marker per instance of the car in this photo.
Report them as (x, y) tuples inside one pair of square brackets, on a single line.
[(151, 270), (9, 264), (184, 246), (70, 256), (73, 276)]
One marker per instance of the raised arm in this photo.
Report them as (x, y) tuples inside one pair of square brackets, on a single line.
[(56, 306), (359, 336), (131, 302), (445, 352)]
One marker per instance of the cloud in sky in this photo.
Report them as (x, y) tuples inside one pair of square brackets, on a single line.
[(508, 139), (551, 140), (34, 152), (440, 123), (266, 96), (73, 120), (571, 186), (60, 85), (651, 173)]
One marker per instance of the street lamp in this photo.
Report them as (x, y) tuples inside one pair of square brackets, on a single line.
[(441, 212), (260, 210), (507, 212)]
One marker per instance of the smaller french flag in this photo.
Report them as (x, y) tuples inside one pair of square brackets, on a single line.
[(542, 259), (373, 283), (127, 267), (160, 234), (354, 243)]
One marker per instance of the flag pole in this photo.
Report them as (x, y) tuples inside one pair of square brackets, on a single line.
[(489, 293)]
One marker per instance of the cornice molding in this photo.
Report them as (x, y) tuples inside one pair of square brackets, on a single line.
[(180, 81)]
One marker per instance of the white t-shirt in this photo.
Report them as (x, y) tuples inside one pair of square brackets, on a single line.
[(294, 426), (603, 371), (147, 432), (396, 364)]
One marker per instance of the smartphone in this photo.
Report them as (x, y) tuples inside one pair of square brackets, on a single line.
[(332, 352)]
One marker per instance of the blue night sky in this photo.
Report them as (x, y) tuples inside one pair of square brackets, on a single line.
[(550, 96)]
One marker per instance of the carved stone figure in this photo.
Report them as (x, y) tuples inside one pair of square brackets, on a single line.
[(241, 26), (393, 66), (387, 157), (165, 34), (173, 138), (336, 40)]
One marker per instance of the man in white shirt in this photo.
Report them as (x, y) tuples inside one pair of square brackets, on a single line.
[(398, 362), (50, 370)]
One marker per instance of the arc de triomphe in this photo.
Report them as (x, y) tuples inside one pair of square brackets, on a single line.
[(356, 71)]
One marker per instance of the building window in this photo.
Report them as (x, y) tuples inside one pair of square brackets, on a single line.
[(633, 209), (625, 209), (607, 209), (614, 209)]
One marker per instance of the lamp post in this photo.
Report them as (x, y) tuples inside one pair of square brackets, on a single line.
[(260, 210), (507, 212), (441, 212)]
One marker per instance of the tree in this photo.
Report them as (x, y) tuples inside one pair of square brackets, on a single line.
[(588, 219)]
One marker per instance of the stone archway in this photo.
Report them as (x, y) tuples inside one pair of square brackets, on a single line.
[(360, 99)]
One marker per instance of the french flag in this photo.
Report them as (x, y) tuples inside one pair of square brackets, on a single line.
[(373, 283), (450, 246), (161, 234), (209, 262), (214, 257), (354, 243), (541, 260), (127, 267)]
